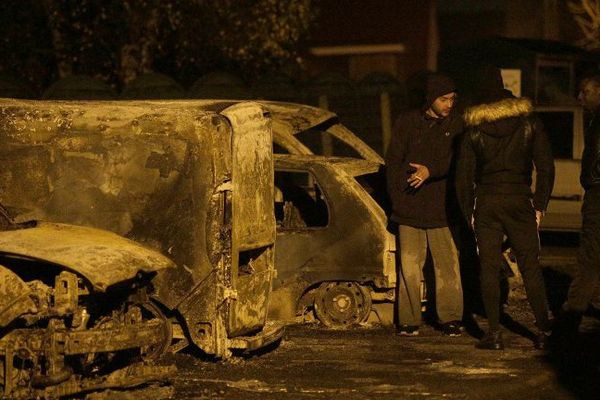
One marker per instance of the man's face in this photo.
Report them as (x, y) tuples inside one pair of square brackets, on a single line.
[(589, 95), (442, 106)]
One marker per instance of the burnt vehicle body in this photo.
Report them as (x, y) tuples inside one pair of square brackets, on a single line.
[(334, 255), (75, 311), (303, 129), (191, 180)]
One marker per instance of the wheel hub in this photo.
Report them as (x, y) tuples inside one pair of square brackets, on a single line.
[(342, 302), (339, 305)]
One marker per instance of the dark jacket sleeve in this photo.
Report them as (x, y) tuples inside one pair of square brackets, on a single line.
[(395, 157), (590, 160), (465, 177), (440, 166), (544, 166)]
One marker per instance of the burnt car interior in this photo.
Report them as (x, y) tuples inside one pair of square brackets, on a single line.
[(299, 202)]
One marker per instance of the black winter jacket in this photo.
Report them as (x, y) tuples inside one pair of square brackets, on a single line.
[(502, 145), (590, 161), (420, 139)]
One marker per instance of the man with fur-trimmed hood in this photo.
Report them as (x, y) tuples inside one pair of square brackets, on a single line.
[(417, 164), (494, 174)]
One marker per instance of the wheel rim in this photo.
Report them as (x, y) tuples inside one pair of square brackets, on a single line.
[(340, 305)]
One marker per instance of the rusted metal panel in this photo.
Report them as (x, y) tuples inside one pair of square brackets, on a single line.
[(128, 337), (165, 174), (351, 166), (189, 221), (102, 257), (144, 170), (254, 217), (204, 311), (252, 176), (74, 342), (249, 310)]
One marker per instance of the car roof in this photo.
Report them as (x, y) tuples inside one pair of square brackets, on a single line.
[(351, 166)]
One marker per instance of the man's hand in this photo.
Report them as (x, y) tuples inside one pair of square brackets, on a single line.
[(420, 175), (538, 217)]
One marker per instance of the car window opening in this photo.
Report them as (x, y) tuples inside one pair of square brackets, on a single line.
[(255, 260), (323, 142), (299, 201)]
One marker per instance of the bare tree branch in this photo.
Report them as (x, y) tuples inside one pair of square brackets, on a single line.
[(586, 14)]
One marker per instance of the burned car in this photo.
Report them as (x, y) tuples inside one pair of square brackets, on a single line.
[(303, 129), (334, 256), (75, 311), (191, 180)]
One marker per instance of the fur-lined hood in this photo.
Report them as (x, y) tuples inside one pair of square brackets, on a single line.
[(491, 112)]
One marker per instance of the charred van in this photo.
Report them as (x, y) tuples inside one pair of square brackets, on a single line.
[(189, 184)]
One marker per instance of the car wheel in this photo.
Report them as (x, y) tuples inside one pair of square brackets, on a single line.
[(339, 305)]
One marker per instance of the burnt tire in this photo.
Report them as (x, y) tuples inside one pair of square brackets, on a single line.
[(340, 305)]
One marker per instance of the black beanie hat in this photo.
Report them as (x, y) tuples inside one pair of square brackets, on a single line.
[(437, 85)]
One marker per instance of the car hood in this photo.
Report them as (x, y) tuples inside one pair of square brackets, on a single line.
[(102, 257)]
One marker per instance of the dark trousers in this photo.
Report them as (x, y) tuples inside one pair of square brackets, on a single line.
[(584, 287), (513, 216)]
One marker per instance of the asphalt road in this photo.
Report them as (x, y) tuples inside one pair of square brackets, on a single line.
[(373, 363), (370, 362)]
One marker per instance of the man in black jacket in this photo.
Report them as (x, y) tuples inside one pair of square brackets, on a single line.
[(494, 176), (417, 164), (587, 278)]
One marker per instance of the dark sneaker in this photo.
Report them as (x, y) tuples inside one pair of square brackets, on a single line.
[(491, 341), (407, 330), (451, 329)]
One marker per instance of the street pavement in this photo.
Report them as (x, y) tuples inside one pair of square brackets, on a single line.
[(373, 363), (370, 362)]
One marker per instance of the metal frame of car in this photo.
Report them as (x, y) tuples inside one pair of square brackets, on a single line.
[(290, 119)]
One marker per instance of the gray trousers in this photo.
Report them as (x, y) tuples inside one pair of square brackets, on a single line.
[(413, 244)]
